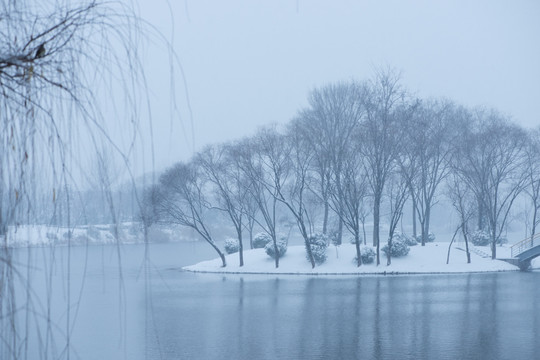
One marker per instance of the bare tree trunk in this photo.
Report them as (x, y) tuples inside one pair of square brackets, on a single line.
[(340, 231), (357, 245), (414, 215), (325, 220), (364, 230), (376, 219), (222, 257), (465, 236), (307, 244), (240, 248), (535, 215), (376, 208), (389, 252), (427, 219), (422, 231), (481, 216), (493, 243), (450, 245)]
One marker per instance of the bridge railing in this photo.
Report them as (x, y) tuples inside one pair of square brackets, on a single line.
[(525, 244)]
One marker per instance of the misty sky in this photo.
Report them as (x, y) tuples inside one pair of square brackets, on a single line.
[(250, 63)]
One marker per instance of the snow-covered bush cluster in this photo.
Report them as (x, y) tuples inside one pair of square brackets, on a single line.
[(409, 240), (480, 238), (352, 241), (430, 238), (367, 254), (260, 240), (318, 243), (399, 249), (231, 245), (281, 247)]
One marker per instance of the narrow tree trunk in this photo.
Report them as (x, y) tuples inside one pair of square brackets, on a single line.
[(357, 245), (466, 243), (325, 220), (340, 231), (307, 245), (493, 243), (427, 219), (251, 236), (414, 218), (364, 230), (376, 208), (389, 252), (535, 215), (481, 224), (224, 263), (240, 248), (450, 245), (422, 231)]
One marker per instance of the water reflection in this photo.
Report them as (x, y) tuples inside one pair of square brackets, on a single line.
[(416, 317), (178, 315)]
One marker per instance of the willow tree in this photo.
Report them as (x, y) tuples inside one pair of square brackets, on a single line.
[(57, 58)]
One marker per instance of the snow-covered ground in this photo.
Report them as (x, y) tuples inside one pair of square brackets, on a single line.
[(128, 233), (421, 259)]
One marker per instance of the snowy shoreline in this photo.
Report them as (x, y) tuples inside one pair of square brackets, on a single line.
[(430, 259)]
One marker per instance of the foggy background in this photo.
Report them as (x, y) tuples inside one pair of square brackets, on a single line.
[(248, 64)]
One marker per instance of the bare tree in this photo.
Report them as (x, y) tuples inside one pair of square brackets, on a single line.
[(491, 161), (231, 187), (249, 205), (380, 137), (532, 186), (350, 190), (334, 112), (251, 159), (182, 200), (463, 201), (397, 193), (283, 164), (424, 155)]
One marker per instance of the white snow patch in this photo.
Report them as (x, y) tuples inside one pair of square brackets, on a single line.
[(421, 260)]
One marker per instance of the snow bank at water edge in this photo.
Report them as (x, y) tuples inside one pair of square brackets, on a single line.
[(420, 260)]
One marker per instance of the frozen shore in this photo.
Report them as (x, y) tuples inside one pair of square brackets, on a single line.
[(429, 259)]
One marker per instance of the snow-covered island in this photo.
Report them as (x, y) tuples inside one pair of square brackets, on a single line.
[(429, 259)]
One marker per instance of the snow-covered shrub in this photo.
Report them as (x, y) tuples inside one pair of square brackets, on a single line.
[(409, 240), (231, 245), (430, 238), (480, 238), (318, 243), (399, 248), (281, 247), (360, 240), (260, 240), (367, 254)]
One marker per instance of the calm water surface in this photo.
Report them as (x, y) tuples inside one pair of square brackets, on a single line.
[(153, 310)]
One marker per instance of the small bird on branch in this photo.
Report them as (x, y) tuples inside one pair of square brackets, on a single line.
[(40, 51)]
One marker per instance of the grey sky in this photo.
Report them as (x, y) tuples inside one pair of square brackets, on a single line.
[(250, 63)]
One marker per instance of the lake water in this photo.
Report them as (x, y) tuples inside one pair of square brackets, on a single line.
[(152, 310)]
